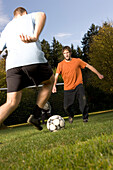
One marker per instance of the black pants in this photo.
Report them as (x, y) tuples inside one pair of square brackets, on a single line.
[(69, 98)]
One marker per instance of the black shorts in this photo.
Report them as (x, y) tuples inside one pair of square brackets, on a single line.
[(20, 77)]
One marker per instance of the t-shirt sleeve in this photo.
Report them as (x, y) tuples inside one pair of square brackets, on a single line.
[(58, 70), (82, 63)]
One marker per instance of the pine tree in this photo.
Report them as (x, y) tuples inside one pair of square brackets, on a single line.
[(47, 51), (56, 52), (86, 41), (74, 52), (79, 52)]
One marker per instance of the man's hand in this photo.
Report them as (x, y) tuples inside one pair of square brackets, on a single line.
[(100, 76), (54, 90), (40, 19), (28, 39)]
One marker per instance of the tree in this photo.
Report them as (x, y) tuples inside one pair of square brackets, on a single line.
[(56, 52), (87, 39), (2, 73), (47, 51), (74, 52), (101, 56), (2, 81), (79, 52)]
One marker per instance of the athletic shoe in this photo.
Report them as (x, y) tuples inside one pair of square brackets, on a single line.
[(70, 120), (35, 122), (85, 120)]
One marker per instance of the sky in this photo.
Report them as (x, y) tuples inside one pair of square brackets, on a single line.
[(67, 20)]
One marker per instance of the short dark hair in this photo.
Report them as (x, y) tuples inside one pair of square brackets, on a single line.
[(66, 48), (19, 10)]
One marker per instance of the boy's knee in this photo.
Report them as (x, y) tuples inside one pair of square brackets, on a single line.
[(13, 99), (13, 103)]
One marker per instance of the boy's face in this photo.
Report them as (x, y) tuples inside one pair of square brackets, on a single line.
[(67, 55)]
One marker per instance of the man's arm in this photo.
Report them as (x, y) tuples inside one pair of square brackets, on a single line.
[(40, 22), (40, 19), (100, 76), (55, 82)]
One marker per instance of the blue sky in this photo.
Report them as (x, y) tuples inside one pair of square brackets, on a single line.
[(67, 20)]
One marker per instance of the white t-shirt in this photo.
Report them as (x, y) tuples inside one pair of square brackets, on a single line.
[(20, 53)]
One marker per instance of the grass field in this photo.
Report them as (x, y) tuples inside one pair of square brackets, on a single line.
[(78, 146)]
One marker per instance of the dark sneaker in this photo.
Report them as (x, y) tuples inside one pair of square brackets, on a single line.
[(70, 120), (35, 122), (85, 120)]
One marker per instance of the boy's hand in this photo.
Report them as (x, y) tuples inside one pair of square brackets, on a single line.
[(100, 76), (54, 90)]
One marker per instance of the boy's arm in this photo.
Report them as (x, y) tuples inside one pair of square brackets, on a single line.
[(40, 19), (95, 71), (55, 82)]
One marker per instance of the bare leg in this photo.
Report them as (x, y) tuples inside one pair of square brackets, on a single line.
[(42, 98), (13, 99), (45, 92)]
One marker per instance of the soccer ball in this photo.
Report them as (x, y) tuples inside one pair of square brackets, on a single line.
[(55, 123)]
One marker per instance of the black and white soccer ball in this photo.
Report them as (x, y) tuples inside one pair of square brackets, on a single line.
[(55, 123)]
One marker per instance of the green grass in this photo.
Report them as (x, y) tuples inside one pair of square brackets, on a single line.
[(78, 146)]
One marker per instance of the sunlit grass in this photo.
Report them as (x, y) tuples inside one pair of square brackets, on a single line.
[(78, 146)]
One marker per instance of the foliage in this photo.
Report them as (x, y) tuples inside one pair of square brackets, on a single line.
[(78, 146), (97, 100), (2, 73), (2, 80), (53, 53), (87, 39), (56, 52), (101, 56), (74, 52), (79, 53), (47, 50)]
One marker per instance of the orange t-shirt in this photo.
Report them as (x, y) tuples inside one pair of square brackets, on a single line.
[(71, 72)]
